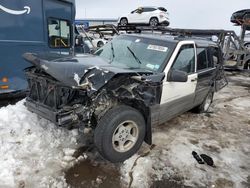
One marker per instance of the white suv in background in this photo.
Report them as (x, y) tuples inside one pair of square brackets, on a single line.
[(145, 15)]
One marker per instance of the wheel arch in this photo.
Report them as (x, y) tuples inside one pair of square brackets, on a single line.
[(153, 17), (124, 17)]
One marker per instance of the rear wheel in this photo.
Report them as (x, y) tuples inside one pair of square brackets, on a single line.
[(247, 65), (120, 133), (124, 22), (205, 105), (153, 22)]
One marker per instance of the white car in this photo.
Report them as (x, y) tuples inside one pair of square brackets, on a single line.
[(145, 15)]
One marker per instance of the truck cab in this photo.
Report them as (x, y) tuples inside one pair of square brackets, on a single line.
[(44, 26)]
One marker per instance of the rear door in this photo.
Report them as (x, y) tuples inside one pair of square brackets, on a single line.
[(206, 74), (178, 97)]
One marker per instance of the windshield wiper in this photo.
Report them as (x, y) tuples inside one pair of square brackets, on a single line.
[(113, 52), (136, 58)]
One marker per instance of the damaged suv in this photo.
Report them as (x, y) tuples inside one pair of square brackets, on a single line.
[(130, 84)]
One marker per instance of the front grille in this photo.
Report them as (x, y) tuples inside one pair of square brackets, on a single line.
[(47, 91)]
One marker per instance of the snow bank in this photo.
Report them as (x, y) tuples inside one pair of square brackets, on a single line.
[(33, 151)]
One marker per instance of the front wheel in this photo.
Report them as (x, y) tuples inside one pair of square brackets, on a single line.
[(123, 22), (120, 133)]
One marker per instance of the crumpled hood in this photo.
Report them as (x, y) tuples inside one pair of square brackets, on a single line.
[(86, 72)]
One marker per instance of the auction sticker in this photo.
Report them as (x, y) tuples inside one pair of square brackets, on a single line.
[(157, 48)]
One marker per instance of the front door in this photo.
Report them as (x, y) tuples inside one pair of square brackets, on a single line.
[(178, 97)]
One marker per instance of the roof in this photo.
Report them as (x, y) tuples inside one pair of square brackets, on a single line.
[(200, 41)]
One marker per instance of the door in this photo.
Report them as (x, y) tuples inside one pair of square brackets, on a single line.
[(206, 74), (136, 16), (59, 16), (178, 97)]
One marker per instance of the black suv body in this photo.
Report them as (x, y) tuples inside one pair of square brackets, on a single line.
[(129, 85)]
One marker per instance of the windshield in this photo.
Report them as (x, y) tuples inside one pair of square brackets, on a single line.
[(136, 53)]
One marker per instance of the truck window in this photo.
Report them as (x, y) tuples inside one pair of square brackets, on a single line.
[(59, 33), (185, 60), (202, 60)]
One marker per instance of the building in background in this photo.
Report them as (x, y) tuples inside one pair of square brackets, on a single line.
[(95, 21)]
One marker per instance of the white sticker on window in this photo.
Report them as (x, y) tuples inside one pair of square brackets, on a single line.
[(157, 48), (153, 67)]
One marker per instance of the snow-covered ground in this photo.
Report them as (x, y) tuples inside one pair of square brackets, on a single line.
[(36, 153), (33, 152), (223, 134)]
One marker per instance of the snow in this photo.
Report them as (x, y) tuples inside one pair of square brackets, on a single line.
[(33, 151), (224, 135), (36, 153)]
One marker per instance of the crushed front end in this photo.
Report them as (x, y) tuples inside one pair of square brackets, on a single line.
[(54, 101), (71, 93)]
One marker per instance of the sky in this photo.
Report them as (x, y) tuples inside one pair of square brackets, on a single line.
[(199, 14)]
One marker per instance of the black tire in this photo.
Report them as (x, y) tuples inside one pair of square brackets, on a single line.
[(108, 126), (204, 106), (247, 65), (100, 44), (153, 22), (123, 22)]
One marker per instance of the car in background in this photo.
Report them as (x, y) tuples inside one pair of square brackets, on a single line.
[(146, 15), (241, 17)]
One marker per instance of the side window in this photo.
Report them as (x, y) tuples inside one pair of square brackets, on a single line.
[(215, 55), (185, 60), (59, 33), (202, 60), (149, 9)]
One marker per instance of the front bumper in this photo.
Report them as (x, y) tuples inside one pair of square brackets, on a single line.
[(59, 117)]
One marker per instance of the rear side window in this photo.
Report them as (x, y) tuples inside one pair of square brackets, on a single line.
[(149, 9), (185, 60), (215, 54), (203, 61), (162, 9), (59, 33)]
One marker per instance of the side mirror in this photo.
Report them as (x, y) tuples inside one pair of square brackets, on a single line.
[(177, 76)]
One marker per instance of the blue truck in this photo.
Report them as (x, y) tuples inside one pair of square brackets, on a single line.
[(37, 26)]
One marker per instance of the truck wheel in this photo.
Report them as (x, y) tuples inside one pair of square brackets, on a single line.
[(120, 133), (204, 106), (124, 22), (153, 22)]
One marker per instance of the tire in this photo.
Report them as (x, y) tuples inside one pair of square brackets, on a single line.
[(123, 22), (100, 44), (153, 22), (204, 106), (115, 131), (247, 65)]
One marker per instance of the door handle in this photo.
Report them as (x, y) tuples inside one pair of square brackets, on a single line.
[(193, 80)]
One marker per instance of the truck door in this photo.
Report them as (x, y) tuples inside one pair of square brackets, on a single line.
[(59, 17), (178, 97)]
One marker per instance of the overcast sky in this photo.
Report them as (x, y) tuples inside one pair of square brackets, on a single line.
[(204, 14)]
